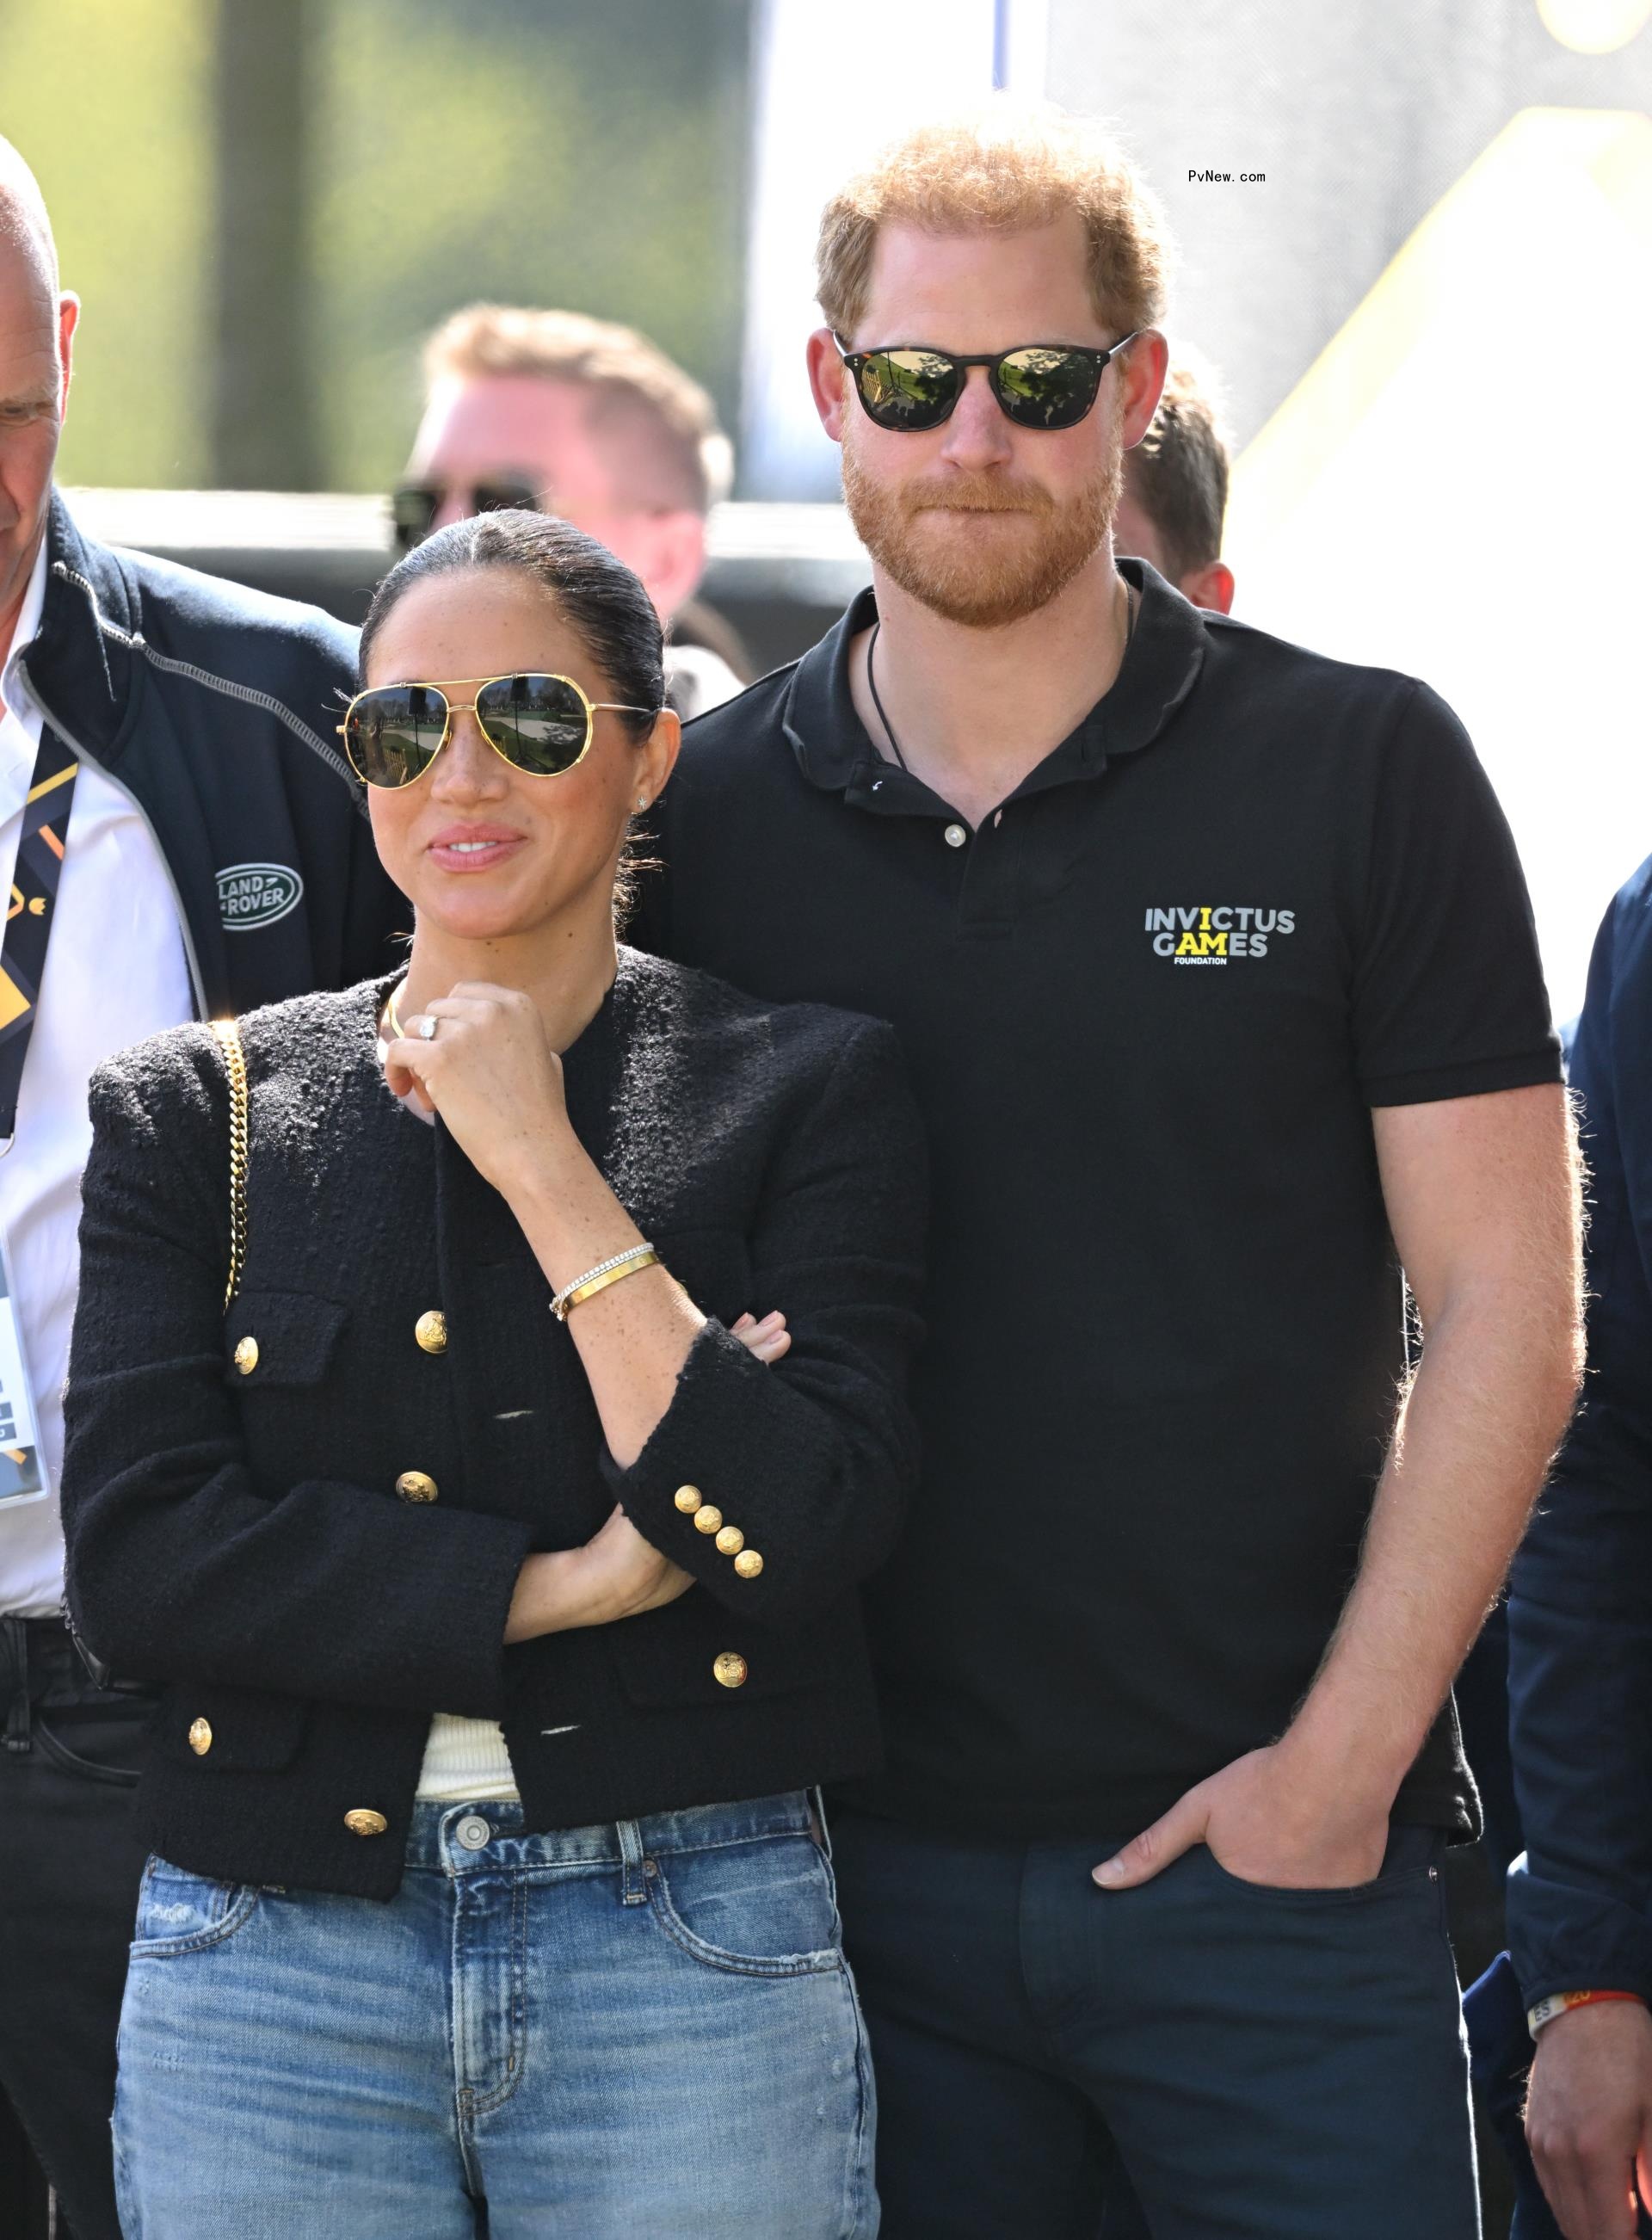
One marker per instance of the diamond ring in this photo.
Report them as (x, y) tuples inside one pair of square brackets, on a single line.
[(427, 1028)]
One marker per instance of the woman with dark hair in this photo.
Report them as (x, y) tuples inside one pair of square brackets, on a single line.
[(500, 1569)]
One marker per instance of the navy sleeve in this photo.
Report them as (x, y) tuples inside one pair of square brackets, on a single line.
[(1580, 1611), (1448, 998)]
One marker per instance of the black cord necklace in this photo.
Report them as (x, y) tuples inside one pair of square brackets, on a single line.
[(878, 699), (877, 702)]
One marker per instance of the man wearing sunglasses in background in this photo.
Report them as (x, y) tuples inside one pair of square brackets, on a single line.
[(1213, 966), (573, 416), (184, 841)]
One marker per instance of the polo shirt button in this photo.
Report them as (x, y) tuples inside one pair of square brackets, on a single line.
[(954, 835)]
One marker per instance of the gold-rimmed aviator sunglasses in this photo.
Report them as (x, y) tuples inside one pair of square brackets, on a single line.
[(540, 724)]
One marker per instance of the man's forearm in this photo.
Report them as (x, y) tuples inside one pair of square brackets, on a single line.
[(1473, 1439)]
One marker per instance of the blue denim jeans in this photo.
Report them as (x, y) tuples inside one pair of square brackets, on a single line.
[(647, 2029)]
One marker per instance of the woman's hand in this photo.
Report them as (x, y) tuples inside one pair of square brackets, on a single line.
[(618, 1573), (491, 1073), (769, 1339), (615, 1575)]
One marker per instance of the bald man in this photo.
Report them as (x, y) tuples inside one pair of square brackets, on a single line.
[(184, 841)]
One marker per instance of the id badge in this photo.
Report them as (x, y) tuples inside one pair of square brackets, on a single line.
[(22, 1470)]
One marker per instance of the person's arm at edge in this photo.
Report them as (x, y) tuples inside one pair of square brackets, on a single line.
[(1481, 1194), (1579, 1902)]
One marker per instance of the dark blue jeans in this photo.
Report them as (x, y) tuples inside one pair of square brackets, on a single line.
[(1262, 2064)]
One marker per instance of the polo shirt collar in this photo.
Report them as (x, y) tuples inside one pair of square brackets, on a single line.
[(835, 751)]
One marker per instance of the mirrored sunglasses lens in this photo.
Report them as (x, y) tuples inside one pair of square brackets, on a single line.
[(537, 723), (1047, 388), (909, 388), (392, 734)]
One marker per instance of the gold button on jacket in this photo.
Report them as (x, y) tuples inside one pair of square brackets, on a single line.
[(748, 1563), (363, 1823), (431, 1331), (730, 1669), (416, 1485), (246, 1356), (708, 1519), (730, 1540), (687, 1499), (200, 1737)]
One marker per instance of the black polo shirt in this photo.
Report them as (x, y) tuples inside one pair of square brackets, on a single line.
[(1147, 1007)]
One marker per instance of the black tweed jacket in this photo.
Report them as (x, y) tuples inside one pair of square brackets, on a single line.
[(236, 1528)]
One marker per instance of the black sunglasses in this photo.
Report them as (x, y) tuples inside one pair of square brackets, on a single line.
[(540, 724), (414, 506), (1038, 384)]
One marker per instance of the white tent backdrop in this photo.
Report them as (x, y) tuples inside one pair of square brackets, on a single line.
[(1460, 488), (828, 91)]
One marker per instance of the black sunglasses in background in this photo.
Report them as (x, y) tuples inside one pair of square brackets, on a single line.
[(1045, 385), (414, 506)]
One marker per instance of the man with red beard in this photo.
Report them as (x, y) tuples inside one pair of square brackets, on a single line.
[(1214, 969)]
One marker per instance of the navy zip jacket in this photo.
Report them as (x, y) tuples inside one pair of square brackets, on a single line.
[(1580, 1609), (213, 708)]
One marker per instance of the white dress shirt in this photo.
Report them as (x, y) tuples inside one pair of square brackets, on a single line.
[(115, 971)]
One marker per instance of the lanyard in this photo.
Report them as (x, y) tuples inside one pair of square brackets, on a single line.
[(29, 914)]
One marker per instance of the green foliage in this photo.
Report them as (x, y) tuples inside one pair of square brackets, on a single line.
[(108, 101), (587, 153)]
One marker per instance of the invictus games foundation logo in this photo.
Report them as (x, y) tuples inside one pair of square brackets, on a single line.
[(253, 895), (1211, 933)]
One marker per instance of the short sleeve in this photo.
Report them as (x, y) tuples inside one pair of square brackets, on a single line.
[(1448, 998)]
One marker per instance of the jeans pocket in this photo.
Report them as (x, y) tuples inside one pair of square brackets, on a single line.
[(180, 1912), (763, 1908), (1407, 1873)]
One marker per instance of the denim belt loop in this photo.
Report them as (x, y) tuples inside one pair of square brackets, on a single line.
[(632, 1885), (818, 1796)]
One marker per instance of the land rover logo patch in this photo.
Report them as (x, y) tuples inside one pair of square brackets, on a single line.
[(251, 895)]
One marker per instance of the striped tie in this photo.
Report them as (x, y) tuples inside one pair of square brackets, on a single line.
[(30, 913)]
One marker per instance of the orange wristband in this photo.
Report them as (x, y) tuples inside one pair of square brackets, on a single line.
[(1560, 2002)]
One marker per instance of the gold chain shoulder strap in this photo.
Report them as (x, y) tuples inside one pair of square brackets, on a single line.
[(228, 1034)]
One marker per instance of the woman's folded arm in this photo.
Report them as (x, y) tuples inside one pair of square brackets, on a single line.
[(806, 1465)]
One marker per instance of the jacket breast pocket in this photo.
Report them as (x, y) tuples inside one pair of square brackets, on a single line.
[(280, 1338), (224, 1729), (714, 1267)]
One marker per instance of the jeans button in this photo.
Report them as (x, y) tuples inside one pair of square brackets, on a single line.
[(473, 1832)]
